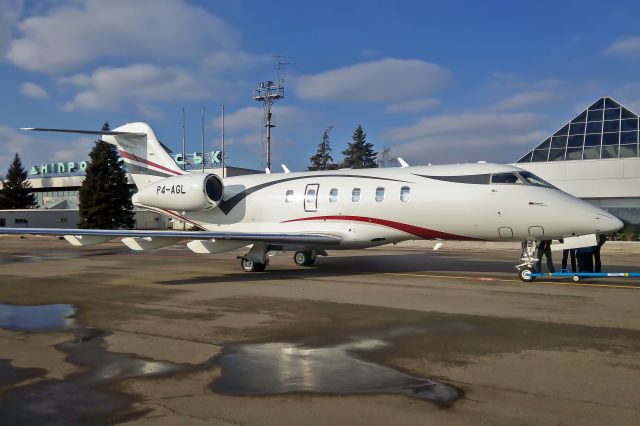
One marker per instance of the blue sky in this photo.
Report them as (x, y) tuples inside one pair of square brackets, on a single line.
[(434, 82)]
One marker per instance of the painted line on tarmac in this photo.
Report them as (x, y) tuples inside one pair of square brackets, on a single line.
[(572, 284)]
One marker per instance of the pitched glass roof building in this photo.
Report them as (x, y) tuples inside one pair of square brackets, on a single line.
[(605, 130), (595, 156)]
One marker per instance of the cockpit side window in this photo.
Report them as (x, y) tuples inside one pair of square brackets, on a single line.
[(506, 178), (534, 180)]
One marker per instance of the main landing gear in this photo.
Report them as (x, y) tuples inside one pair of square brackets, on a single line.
[(249, 265), (529, 259), (304, 258)]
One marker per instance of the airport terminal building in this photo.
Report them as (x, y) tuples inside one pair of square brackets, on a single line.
[(595, 156)]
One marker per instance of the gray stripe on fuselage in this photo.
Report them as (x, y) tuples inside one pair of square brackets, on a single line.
[(482, 179)]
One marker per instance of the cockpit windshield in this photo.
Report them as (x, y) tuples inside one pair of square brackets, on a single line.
[(534, 180), (520, 178)]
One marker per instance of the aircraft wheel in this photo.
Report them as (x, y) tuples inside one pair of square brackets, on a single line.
[(248, 265), (525, 275), (575, 278), (304, 258)]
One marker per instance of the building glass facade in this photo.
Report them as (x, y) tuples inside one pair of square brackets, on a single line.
[(604, 130)]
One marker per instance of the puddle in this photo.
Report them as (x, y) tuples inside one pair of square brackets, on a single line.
[(60, 403), (84, 397), (37, 318), (278, 368), (10, 375), (105, 367)]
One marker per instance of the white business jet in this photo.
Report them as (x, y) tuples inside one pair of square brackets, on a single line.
[(312, 212)]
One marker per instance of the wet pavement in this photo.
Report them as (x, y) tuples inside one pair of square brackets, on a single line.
[(280, 368), (167, 337), (37, 318)]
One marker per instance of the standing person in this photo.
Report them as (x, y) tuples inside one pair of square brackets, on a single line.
[(585, 259), (544, 248), (596, 253), (565, 257)]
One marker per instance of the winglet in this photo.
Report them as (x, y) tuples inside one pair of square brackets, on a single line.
[(402, 162), (285, 168)]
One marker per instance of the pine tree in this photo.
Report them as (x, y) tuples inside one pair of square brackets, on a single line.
[(359, 154), (105, 202), (322, 160), (16, 190)]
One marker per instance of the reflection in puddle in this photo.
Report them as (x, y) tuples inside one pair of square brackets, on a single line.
[(276, 368), (37, 318)]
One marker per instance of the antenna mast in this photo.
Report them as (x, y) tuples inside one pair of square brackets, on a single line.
[(269, 92), (222, 159), (202, 141), (184, 160)]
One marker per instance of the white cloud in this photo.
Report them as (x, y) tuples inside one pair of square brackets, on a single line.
[(108, 88), (412, 106), (629, 45), (9, 16), (32, 90), (526, 99), (76, 149), (467, 137), (386, 79), (78, 33), (12, 141)]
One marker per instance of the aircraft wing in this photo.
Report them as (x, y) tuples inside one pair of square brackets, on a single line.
[(249, 237)]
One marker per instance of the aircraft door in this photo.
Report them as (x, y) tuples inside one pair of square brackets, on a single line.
[(311, 197)]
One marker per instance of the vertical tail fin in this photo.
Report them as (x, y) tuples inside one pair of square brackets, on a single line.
[(146, 160)]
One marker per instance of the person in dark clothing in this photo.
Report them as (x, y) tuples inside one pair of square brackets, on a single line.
[(544, 249), (596, 253), (584, 256), (565, 257)]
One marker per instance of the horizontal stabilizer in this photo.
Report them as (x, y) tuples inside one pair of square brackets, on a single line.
[(86, 132)]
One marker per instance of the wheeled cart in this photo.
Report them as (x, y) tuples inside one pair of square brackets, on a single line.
[(528, 275)]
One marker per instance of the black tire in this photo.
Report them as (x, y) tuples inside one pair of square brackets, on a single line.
[(251, 266), (304, 258), (525, 275)]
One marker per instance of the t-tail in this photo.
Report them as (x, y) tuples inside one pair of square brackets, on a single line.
[(147, 161)]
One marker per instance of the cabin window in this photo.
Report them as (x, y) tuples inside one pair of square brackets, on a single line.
[(333, 195), (288, 196), (311, 195), (405, 192), (379, 194), (20, 221), (355, 195)]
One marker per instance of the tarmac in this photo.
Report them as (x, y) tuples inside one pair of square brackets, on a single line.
[(394, 335)]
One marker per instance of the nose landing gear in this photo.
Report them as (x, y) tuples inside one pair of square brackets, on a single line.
[(529, 259)]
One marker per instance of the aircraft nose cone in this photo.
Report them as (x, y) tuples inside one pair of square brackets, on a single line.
[(608, 223)]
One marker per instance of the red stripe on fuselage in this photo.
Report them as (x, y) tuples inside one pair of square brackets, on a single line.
[(134, 157), (418, 231)]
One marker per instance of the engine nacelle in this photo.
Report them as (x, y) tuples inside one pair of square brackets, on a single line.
[(192, 192)]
